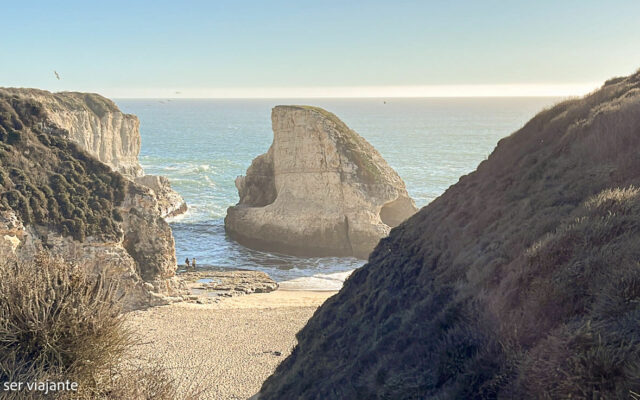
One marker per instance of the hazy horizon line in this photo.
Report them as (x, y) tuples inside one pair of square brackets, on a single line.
[(354, 92), (336, 98)]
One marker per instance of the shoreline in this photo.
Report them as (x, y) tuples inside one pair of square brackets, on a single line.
[(228, 347), (257, 281)]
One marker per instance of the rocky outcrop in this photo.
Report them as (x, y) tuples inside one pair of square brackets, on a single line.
[(55, 196), (170, 202), (321, 189), (98, 126), (228, 283), (143, 260), (520, 281)]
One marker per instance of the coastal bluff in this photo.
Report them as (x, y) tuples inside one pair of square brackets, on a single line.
[(320, 190), (521, 281), (57, 197), (97, 125)]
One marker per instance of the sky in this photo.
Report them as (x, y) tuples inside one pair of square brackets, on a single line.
[(318, 48)]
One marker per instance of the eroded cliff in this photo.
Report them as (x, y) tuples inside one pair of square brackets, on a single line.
[(320, 189), (55, 196), (520, 281), (98, 126)]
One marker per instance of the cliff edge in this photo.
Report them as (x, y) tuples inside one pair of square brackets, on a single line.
[(56, 197), (97, 125), (520, 281), (320, 190)]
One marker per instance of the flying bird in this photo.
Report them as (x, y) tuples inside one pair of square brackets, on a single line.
[(57, 76)]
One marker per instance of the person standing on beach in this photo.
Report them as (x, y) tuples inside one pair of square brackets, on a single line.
[(193, 263), (187, 262)]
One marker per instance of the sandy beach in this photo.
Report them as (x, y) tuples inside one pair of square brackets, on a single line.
[(229, 347)]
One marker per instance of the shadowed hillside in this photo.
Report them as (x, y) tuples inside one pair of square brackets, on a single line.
[(521, 281)]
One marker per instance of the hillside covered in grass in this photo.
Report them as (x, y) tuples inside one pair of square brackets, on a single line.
[(521, 281)]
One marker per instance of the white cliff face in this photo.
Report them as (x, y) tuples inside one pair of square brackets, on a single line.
[(321, 189), (11, 234), (113, 138), (96, 124)]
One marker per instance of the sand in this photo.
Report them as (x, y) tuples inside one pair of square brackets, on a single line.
[(229, 347)]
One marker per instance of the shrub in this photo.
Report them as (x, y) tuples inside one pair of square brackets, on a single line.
[(57, 323), (14, 137)]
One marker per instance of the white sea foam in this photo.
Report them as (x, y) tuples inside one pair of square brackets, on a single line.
[(319, 282), (180, 217)]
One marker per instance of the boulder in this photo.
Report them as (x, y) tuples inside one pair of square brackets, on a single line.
[(170, 202)]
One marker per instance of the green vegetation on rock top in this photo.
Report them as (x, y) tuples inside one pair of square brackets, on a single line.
[(76, 101), (48, 180), (357, 149)]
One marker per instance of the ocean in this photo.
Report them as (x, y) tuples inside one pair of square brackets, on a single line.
[(203, 145)]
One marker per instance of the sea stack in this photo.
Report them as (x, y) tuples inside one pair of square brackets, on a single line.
[(320, 190), (97, 125), (520, 282)]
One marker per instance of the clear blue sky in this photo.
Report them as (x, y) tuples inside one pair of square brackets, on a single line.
[(138, 48)]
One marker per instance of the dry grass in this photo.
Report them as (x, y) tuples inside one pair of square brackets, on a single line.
[(58, 324), (588, 267)]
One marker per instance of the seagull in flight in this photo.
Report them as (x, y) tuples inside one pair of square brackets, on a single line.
[(57, 76)]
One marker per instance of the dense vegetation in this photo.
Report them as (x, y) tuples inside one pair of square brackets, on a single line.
[(520, 281), (50, 181)]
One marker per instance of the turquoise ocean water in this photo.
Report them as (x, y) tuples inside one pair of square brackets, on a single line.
[(202, 145)]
